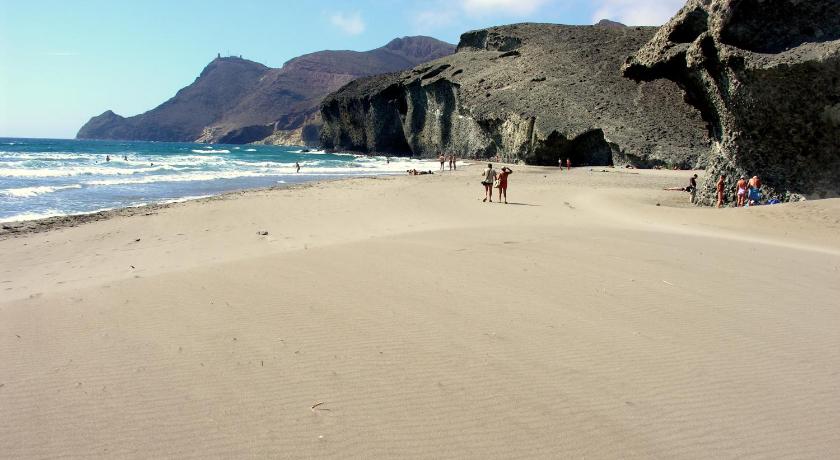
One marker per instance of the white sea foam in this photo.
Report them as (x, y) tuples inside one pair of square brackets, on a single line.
[(26, 192), (70, 171), (33, 215), (211, 151), (250, 150)]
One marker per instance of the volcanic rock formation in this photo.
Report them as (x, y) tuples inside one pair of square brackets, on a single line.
[(236, 101), (535, 92), (766, 76)]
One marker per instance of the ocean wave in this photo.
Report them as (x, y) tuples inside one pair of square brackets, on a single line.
[(33, 215), (210, 151), (26, 192), (72, 171), (250, 150)]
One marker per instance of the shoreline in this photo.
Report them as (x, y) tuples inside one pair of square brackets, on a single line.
[(14, 229)]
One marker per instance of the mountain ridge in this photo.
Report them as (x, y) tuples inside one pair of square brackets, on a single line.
[(235, 100)]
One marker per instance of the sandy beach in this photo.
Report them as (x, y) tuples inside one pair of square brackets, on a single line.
[(595, 316)]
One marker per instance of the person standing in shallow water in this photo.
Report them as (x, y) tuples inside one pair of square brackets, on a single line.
[(489, 175), (720, 186), (503, 182), (297, 167)]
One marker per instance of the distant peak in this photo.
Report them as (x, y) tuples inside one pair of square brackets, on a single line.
[(108, 114), (610, 24)]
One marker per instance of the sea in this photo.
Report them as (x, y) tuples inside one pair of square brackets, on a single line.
[(42, 178)]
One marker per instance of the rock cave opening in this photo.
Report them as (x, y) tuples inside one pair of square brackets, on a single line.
[(588, 149)]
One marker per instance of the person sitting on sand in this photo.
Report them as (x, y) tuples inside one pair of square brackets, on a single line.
[(741, 192), (719, 186), (489, 175), (503, 182)]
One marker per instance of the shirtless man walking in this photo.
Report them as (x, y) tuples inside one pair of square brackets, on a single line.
[(721, 184), (442, 160), (489, 175)]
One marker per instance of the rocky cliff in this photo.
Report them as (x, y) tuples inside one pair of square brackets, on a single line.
[(236, 101), (766, 76), (535, 92)]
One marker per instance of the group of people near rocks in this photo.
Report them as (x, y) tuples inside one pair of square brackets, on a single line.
[(747, 193), (493, 179)]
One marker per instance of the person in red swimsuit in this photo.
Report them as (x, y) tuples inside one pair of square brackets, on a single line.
[(503, 182)]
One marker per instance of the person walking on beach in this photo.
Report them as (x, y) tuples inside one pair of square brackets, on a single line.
[(503, 182), (721, 184), (442, 160), (489, 175), (454, 163), (568, 164), (560, 164), (741, 192), (297, 167)]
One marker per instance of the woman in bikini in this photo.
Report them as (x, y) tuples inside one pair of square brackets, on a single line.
[(741, 192)]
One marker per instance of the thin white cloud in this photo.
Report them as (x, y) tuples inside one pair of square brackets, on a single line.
[(434, 19), (638, 12), (512, 7), (444, 13), (349, 23)]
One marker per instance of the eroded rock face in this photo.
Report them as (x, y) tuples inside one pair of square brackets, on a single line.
[(535, 92), (766, 76)]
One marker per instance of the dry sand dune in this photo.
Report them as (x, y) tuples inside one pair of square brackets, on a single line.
[(402, 318)]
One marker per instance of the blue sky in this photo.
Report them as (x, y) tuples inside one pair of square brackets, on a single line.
[(62, 62)]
